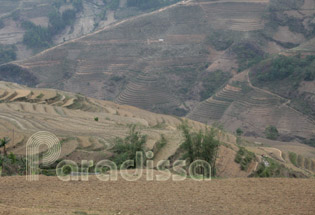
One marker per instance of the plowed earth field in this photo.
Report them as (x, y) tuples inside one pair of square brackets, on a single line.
[(49, 195)]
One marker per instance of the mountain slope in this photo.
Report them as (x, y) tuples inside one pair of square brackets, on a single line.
[(171, 44), (25, 111), (34, 25), (185, 60), (71, 117)]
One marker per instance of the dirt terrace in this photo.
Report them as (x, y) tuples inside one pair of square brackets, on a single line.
[(226, 196)]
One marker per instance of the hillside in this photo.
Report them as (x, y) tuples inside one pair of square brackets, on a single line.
[(30, 26), (24, 111), (191, 59)]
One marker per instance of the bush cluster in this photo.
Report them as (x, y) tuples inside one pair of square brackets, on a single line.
[(126, 148), (202, 145), (244, 158), (272, 132)]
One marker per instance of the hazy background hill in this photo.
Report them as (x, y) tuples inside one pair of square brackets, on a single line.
[(247, 64), (29, 26)]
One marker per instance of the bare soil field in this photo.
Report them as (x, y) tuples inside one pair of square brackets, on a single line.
[(49, 195)]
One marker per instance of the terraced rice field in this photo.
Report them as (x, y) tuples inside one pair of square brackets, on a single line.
[(25, 111), (71, 117), (252, 109), (213, 108), (144, 91)]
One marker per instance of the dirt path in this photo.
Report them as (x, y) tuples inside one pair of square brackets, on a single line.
[(288, 101), (112, 26), (225, 196)]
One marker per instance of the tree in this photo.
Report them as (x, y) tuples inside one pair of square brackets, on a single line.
[(202, 145), (239, 132), (272, 132), (3, 142)]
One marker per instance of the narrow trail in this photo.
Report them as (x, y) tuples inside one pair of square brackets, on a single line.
[(280, 153), (288, 101)]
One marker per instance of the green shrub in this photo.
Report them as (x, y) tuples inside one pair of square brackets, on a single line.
[(12, 157), (126, 149), (12, 165), (273, 169), (271, 132), (200, 145), (293, 158), (244, 158), (239, 132), (161, 143)]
